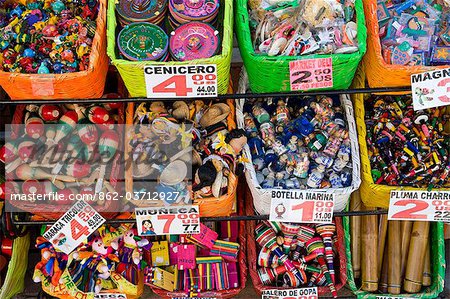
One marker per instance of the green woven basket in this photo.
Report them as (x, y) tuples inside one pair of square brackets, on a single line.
[(271, 74), (437, 265), (15, 276), (132, 72)]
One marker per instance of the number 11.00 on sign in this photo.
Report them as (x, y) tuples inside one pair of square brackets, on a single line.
[(181, 81), (420, 205)]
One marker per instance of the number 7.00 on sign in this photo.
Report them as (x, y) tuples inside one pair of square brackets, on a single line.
[(420, 205), (173, 81)]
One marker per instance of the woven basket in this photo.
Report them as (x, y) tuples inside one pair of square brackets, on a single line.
[(209, 206), (252, 255), (271, 74), (132, 72), (14, 282), (53, 212), (78, 85), (380, 73), (262, 197), (242, 266), (437, 266), (373, 195)]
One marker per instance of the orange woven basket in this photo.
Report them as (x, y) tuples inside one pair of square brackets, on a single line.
[(242, 266), (54, 212), (78, 85), (252, 256), (378, 72), (209, 206)]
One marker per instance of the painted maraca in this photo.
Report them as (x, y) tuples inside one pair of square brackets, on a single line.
[(34, 125), (107, 147), (304, 233), (266, 237), (66, 196), (326, 231), (25, 172), (49, 113), (27, 150), (8, 155), (66, 124), (77, 169), (97, 114), (315, 245), (88, 133), (107, 125), (32, 187), (289, 231)]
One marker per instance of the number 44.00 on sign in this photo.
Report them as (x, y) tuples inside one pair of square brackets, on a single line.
[(420, 205), (181, 81)]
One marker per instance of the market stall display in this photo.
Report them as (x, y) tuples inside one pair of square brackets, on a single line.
[(186, 32), (304, 143), (191, 149), (65, 151), (292, 255), (53, 49), (405, 38), (212, 263), (271, 36)]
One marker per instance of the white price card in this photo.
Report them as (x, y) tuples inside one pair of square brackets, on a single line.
[(431, 89), (181, 81), (303, 293), (172, 220), (110, 296), (69, 231), (419, 205), (308, 74), (301, 206)]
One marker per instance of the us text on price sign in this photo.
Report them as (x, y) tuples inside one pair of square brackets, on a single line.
[(174, 220), (420, 205), (79, 222), (301, 206), (431, 89), (303, 293), (308, 74), (181, 81)]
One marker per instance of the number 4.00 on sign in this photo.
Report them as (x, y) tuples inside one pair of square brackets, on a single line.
[(181, 81)]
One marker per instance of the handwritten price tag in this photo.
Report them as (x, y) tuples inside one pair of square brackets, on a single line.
[(79, 222), (169, 81), (304, 293), (420, 205), (174, 220), (301, 206), (311, 73), (431, 89)]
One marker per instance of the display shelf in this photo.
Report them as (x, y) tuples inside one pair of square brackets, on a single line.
[(220, 97)]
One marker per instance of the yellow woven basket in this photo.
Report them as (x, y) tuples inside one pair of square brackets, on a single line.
[(373, 195)]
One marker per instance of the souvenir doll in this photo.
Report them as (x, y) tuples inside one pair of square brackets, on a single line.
[(52, 264), (129, 257)]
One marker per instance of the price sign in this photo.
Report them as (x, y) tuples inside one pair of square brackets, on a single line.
[(304, 293), (420, 205), (174, 220), (110, 296), (431, 89), (311, 73), (79, 222), (301, 206), (169, 81)]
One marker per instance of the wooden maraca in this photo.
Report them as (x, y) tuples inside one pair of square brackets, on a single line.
[(97, 114), (34, 125), (88, 133), (369, 256), (304, 233), (32, 187), (66, 125), (289, 231), (326, 231), (8, 155), (27, 150), (7, 188), (25, 172), (315, 245), (266, 237), (416, 256), (107, 125), (66, 196), (394, 258), (49, 113), (107, 147), (77, 169)]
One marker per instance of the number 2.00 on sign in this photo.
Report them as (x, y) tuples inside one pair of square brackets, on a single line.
[(420, 205)]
